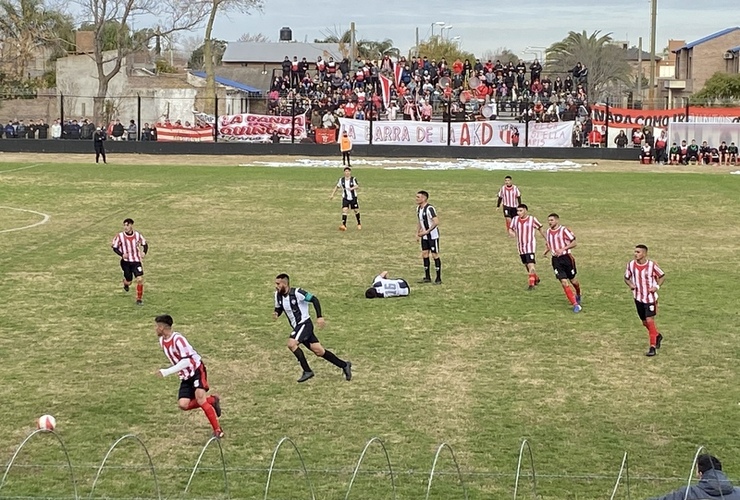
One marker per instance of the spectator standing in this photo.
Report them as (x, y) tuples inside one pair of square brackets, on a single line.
[(133, 131), (621, 139), (99, 138), (20, 131), (43, 129), (117, 130), (56, 130), (536, 70)]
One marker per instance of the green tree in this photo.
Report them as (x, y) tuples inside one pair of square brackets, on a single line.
[(366, 49), (112, 34), (437, 48), (27, 28), (196, 57), (605, 61), (720, 87)]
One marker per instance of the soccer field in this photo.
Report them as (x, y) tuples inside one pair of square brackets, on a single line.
[(479, 363)]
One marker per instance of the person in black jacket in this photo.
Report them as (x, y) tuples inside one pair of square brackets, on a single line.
[(713, 483), (43, 129), (99, 138)]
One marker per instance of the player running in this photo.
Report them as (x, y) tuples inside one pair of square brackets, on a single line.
[(560, 241)]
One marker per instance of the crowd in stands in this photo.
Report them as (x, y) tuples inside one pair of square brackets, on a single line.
[(424, 89)]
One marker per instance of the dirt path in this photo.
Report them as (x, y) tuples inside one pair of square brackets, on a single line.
[(234, 160)]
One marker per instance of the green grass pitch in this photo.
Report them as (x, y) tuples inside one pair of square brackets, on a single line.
[(478, 363)]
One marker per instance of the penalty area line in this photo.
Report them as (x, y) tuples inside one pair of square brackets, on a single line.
[(46, 218), (20, 168)]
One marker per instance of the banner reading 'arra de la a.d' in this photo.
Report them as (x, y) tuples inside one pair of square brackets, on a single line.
[(254, 127), (412, 133)]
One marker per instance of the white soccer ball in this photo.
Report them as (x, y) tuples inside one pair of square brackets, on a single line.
[(46, 422)]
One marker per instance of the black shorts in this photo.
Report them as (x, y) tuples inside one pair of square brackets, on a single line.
[(197, 381), (131, 269), (645, 311), (350, 204), (303, 333), (431, 244), (510, 212), (564, 267), (527, 258)]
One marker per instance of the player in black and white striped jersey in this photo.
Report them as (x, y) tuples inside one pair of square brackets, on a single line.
[(428, 232), (349, 187), (294, 303)]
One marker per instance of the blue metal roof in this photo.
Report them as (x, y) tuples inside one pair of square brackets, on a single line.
[(708, 38), (230, 83), (736, 49)]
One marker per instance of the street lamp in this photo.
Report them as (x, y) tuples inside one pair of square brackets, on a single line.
[(448, 28), (438, 23), (456, 39)]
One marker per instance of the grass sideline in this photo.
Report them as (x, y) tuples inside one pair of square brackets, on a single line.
[(478, 363)]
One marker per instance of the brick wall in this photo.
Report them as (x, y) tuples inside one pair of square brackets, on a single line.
[(43, 107), (707, 58)]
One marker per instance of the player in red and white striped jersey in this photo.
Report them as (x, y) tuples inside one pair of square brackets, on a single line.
[(523, 227), (560, 240), (192, 372), (644, 278), (131, 246), (511, 197)]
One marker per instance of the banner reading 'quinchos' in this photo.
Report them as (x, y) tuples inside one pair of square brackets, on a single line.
[(250, 127), (412, 133)]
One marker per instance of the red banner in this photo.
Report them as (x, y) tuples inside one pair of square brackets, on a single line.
[(183, 134), (326, 135), (630, 118), (251, 127)]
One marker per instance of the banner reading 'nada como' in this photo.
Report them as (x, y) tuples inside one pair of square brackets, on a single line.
[(413, 133), (662, 118)]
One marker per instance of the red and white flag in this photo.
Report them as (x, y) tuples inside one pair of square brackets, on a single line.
[(385, 86), (398, 70)]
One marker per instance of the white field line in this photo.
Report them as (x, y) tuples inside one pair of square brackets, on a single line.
[(45, 219), (21, 168)]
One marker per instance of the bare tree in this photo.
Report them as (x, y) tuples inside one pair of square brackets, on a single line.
[(172, 15), (258, 38), (214, 6)]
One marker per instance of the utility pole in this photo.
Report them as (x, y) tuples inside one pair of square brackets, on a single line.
[(653, 18), (416, 47), (352, 41), (639, 72)]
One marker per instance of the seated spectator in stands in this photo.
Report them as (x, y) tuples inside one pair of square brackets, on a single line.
[(621, 139), (713, 483), (117, 130), (705, 153), (646, 153), (56, 130), (43, 129), (692, 154), (723, 153), (132, 131)]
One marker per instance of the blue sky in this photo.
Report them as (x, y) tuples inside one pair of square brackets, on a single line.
[(485, 24)]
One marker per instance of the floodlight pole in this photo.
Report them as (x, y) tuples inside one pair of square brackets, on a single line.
[(653, 19)]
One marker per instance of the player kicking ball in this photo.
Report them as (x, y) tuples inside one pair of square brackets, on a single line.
[(192, 372)]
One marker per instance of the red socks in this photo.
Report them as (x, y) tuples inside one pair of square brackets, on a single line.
[(193, 405), (139, 290), (532, 279), (571, 296), (652, 330), (211, 414)]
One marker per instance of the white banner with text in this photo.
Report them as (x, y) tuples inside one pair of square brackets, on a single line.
[(488, 133)]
